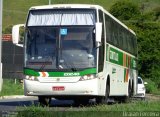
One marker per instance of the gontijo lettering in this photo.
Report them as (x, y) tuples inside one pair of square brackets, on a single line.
[(113, 55)]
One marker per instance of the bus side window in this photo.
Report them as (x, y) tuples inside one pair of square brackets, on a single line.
[(131, 44), (115, 32), (112, 33), (120, 37), (134, 46), (124, 41), (108, 27), (128, 42)]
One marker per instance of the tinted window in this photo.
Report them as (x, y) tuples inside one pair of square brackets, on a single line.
[(108, 29), (139, 81), (120, 37)]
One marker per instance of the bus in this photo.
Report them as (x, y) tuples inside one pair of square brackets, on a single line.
[(78, 52)]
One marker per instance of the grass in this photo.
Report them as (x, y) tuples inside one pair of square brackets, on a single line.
[(134, 106), (157, 92), (15, 11), (10, 88), (137, 107)]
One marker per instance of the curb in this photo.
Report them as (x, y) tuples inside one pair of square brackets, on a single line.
[(15, 97)]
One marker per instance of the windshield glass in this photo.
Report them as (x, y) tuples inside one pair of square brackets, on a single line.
[(60, 48)]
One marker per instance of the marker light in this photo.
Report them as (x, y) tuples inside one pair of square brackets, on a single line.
[(31, 78)]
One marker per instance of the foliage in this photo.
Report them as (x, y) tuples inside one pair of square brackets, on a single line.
[(22, 31), (7, 30), (33, 111), (133, 106), (11, 88), (153, 15), (157, 13), (124, 10), (151, 86), (115, 110), (149, 50), (148, 39)]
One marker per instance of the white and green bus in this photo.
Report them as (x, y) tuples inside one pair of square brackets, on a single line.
[(78, 52)]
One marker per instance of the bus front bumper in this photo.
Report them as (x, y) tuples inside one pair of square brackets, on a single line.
[(84, 88)]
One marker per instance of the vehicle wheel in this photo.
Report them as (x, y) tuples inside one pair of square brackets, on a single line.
[(104, 99), (143, 98), (44, 101), (128, 98), (81, 102), (132, 90)]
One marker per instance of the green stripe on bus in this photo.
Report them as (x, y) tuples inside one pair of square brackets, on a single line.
[(120, 58), (31, 72), (61, 74), (115, 56)]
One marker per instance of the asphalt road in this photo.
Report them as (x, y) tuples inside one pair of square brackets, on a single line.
[(11, 104)]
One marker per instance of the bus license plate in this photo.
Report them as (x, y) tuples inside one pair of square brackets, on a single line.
[(58, 88)]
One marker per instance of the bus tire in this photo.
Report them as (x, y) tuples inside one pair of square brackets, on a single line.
[(44, 101), (81, 102), (104, 99), (127, 99), (132, 94)]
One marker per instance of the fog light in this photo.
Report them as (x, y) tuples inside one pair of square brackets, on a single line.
[(31, 78), (87, 77)]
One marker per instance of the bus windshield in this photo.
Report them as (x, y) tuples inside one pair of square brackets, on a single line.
[(60, 48)]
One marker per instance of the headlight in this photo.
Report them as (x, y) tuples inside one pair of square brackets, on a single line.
[(34, 78), (87, 77)]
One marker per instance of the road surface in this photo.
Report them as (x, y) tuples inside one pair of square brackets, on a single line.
[(11, 104)]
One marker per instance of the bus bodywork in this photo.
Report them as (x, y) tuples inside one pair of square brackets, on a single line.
[(65, 58)]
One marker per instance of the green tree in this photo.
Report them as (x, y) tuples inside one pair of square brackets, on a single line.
[(148, 37), (124, 10), (8, 30), (157, 13)]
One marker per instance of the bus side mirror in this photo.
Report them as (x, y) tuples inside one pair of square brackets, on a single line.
[(18, 34), (98, 29)]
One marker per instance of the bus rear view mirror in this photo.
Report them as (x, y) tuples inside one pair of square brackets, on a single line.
[(98, 28), (18, 34)]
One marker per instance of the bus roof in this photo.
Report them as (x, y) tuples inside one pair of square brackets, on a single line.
[(58, 6), (65, 6)]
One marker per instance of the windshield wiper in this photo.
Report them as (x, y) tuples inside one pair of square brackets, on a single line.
[(44, 64), (74, 69)]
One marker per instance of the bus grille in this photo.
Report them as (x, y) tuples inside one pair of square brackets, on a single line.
[(59, 79)]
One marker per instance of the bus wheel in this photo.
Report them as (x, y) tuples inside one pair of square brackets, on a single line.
[(104, 99), (44, 101), (81, 102), (128, 98)]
